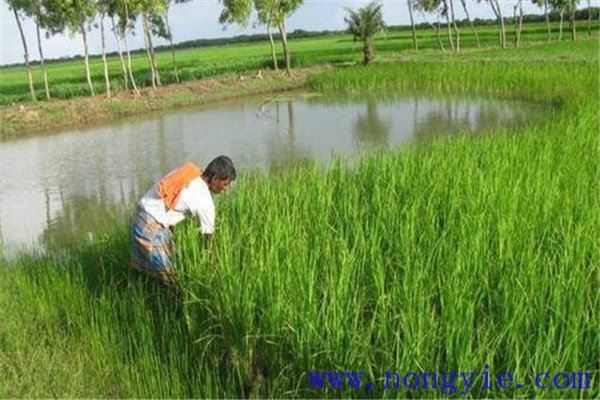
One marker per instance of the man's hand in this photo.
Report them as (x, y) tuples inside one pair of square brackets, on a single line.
[(209, 245)]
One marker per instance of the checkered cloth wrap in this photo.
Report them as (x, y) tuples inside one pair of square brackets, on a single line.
[(151, 248)]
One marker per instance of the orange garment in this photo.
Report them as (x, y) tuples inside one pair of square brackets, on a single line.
[(169, 187)]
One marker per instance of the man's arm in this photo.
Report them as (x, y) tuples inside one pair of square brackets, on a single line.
[(209, 245)]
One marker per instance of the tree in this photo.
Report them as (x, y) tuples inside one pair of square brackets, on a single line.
[(572, 8), (150, 12), (103, 8), (33, 8), (15, 5), (266, 10), (363, 24), (559, 6), (544, 3), (464, 5), (169, 35), (120, 9), (518, 18), (446, 13), (432, 6), (589, 21), (412, 24), (498, 13), (455, 27), (120, 51), (74, 15), (283, 9), (275, 11)]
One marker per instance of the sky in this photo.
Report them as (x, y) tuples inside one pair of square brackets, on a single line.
[(198, 19)]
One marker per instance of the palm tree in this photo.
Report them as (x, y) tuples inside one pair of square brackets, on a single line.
[(363, 24)]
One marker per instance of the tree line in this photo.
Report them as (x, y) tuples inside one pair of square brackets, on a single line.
[(119, 18), (445, 10)]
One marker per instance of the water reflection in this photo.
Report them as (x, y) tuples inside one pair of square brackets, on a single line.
[(285, 149), (370, 128), (80, 181)]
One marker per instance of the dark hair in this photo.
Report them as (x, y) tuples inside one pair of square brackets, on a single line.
[(221, 167)]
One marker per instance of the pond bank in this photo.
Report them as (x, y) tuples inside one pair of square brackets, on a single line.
[(46, 116)]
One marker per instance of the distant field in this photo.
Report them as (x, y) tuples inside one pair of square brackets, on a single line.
[(67, 79)]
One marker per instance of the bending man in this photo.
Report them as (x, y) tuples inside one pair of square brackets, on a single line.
[(186, 191)]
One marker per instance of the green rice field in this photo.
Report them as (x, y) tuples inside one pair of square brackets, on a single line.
[(67, 79), (441, 256)]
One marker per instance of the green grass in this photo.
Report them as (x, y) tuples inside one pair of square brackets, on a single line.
[(439, 256), (67, 79)]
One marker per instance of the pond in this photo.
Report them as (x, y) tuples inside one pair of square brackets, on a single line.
[(78, 181)]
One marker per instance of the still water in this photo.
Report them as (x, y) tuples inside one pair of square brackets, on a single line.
[(80, 181)]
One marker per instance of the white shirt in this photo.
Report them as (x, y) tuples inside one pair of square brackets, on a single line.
[(194, 199)]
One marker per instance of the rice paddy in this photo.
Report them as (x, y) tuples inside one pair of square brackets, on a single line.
[(442, 256)]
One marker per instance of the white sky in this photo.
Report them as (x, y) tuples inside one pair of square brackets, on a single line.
[(198, 19)]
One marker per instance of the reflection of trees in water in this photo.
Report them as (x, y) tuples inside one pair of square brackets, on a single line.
[(91, 198), (454, 116), (161, 144), (79, 215), (285, 151), (370, 128)]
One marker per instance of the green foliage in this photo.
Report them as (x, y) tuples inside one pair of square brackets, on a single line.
[(364, 23), (235, 11)]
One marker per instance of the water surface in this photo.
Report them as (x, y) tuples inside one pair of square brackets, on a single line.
[(80, 181)]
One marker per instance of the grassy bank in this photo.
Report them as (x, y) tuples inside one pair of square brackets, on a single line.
[(438, 257)]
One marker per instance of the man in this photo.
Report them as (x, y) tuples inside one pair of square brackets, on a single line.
[(186, 191)]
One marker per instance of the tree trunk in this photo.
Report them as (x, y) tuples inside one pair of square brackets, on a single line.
[(286, 53), (150, 63), (130, 70), (498, 11), (502, 27), (87, 60), (42, 61), (560, 25), (450, 38), (135, 88), (439, 37), (589, 23), (456, 31), (573, 26), (152, 54), (272, 45), (368, 51), (464, 4), (412, 24), (518, 17), (25, 56), (118, 39), (171, 44), (106, 79), (547, 21)]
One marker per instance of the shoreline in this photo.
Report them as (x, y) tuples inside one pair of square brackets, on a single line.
[(46, 117)]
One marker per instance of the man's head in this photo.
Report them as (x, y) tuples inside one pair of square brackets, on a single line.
[(219, 173)]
